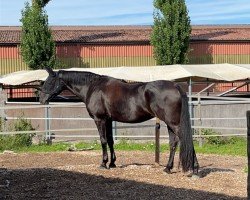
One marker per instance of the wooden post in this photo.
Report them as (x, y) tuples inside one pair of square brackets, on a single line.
[(114, 129), (157, 141), (200, 122), (248, 153), (11, 92)]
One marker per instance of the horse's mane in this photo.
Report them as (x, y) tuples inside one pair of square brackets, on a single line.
[(79, 77), (83, 77)]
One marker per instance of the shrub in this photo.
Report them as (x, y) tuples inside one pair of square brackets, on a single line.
[(235, 139), (10, 142), (216, 140), (220, 140)]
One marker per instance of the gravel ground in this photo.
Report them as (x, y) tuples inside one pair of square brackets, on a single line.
[(76, 175)]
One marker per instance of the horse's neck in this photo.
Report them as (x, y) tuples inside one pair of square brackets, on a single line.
[(79, 89)]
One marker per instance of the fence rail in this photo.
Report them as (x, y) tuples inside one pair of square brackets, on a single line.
[(48, 131)]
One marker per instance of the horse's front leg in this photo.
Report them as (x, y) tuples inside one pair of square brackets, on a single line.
[(109, 132), (101, 126), (173, 143)]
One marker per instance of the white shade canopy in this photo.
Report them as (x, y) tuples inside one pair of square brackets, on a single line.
[(220, 72)]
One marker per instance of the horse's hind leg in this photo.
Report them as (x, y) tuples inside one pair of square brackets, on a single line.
[(196, 165), (110, 139), (101, 125), (173, 143)]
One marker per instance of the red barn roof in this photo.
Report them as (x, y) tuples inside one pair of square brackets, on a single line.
[(114, 34)]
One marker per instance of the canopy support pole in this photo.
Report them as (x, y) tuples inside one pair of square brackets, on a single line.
[(190, 99)]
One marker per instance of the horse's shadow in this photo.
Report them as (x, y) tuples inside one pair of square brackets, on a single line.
[(204, 171), (140, 165), (156, 165)]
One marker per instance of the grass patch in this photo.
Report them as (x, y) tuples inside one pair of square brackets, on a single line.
[(236, 148), (88, 145), (230, 146), (43, 148), (246, 169), (222, 145), (127, 145)]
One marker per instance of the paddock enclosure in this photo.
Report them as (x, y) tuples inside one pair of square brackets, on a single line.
[(70, 121), (225, 115), (76, 175)]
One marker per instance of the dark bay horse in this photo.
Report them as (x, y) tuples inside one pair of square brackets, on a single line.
[(108, 99)]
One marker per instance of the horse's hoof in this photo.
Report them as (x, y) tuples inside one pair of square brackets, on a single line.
[(167, 170), (195, 176), (112, 165), (102, 166)]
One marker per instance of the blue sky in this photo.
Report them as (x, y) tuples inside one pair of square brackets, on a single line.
[(126, 12)]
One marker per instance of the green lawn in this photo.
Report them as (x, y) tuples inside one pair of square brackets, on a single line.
[(237, 147)]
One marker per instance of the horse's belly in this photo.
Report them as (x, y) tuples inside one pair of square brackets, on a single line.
[(131, 117)]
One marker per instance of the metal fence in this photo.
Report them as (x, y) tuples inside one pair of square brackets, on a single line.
[(199, 120)]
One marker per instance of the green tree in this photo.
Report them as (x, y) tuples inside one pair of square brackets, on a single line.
[(37, 45), (41, 3), (171, 32)]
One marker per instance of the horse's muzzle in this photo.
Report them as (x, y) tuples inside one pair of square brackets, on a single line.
[(44, 102), (44, 98)]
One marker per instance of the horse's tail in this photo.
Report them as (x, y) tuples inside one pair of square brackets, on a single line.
[(186, 139)]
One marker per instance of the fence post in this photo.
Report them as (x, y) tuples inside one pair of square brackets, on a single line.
[(248, 153), (200, 122), (47, 126), (114, 129), (157, 141)]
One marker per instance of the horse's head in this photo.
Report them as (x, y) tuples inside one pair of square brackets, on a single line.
[(52, 86)]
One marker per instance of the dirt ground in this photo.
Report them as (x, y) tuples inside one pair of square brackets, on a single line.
[(76, 175)]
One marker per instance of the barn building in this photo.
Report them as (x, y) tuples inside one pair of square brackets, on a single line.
[(114, 46)]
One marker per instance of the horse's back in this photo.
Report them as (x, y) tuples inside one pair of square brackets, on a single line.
[(162, 90)]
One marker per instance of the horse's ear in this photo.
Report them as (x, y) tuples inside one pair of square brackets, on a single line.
[(50, 71)]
